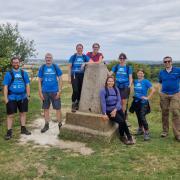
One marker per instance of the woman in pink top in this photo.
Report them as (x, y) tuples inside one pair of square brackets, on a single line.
[(95, 56)]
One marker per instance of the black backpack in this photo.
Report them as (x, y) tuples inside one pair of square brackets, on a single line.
[(107, 92), (116, 69), (74, 58), (12, 80), (55, 68)]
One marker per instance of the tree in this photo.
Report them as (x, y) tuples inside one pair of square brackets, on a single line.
[(13, 44)]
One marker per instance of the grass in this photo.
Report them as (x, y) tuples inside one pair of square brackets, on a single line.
[(157, 159)]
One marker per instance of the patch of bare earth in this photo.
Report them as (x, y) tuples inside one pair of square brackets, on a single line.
[(50, 138)]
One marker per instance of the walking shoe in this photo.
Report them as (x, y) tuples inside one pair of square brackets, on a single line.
[(73, 108), (8, 135), (130, 141), (146, 136), (164, 134), (25, 131), (123, 139), (128, 123), (45, 128), (59, 125), (177, 138), (139, 132)]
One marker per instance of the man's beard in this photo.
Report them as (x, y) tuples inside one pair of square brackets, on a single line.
[(16, 67)]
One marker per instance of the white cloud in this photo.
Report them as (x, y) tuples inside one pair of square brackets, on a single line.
[(143, 29)]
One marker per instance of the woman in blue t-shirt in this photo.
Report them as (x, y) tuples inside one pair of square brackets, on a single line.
[(112, 109), (140, 103)]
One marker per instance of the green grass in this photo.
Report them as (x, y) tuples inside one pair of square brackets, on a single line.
[(157, 159)]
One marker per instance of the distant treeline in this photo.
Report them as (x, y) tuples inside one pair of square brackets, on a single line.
[(151, 70)]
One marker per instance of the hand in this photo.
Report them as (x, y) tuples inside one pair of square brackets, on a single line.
[(58, 95), (113, 113), (41, 96), (6, 101), (105, 117), (144, 97)]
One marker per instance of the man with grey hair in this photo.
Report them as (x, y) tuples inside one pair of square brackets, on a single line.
[(50, 87), (169, 78)]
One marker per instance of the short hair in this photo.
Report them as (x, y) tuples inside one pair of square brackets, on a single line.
[(79, 45), (167, 57), (140, 69), (96, 44), (122, 55), (48, 54), (15, 57), (109, 77)]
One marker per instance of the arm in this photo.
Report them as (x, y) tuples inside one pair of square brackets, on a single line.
[(60, 82), (103, 101), (6, 94), (152, 91), (28, 90), (40, 89), (130, 80), (69, 72)]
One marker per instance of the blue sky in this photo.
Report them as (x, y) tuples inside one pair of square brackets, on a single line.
[(144, 30)]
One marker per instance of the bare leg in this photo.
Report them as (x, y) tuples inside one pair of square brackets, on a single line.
[(10, 121), (58, 115), (23, 118), (46, 115)]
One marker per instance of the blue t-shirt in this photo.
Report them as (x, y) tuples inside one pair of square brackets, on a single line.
[(77, 62), (122, 75), (49, 78), (170, 81), (18, 86), (141, 87)]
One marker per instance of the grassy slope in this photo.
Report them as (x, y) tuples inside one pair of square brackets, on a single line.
[(157, 159)]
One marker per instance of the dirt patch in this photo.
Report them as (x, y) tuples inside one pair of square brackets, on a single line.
[(50, 138)]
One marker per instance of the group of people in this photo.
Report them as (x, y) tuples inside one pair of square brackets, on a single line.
[(113, 96)]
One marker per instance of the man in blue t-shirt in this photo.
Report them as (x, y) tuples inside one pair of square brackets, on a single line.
[(50, 87), (123, 75), (76, 69), (16, 95), (169, 79)]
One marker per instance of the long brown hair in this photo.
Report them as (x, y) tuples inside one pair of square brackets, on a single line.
[(109, 77)]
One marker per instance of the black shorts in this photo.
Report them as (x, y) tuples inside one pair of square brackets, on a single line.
[(124, 92), (12, 106)]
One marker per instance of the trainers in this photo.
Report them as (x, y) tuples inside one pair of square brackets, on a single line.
[(73, 108), (139, 132), (123, 139), (164, 134), (25, 131), (59, 125), (130, 141), (146, 137), (8, 135), (45, 128)]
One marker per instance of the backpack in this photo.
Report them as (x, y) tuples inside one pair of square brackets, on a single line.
[(107, 92), (74, 58), (43, 66), (12, 80), (116, 69)]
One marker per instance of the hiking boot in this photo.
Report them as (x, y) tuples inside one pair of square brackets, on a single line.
[(139, 132), (25, 131), (177, 138), (146, 136), (73, 108), (8, 135), (123, 139), (164, 134), (130, 141), (59, 125), (45, 128)]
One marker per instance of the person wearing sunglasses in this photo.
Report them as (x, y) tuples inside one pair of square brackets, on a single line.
[(169, 79), (123, 75), (95, 56)]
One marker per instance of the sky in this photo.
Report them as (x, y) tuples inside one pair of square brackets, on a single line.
[(143, 29)]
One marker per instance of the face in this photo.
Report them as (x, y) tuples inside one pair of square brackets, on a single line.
[(15, 64), (110, 82), (122, 60), (167, 62), (79, 49), (95, 48), (140, 75), (48, 59)]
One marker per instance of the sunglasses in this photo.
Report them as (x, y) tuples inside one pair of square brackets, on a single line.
[(167, 62)]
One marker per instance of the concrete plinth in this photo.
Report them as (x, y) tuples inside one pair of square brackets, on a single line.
[(88, 125)]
